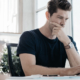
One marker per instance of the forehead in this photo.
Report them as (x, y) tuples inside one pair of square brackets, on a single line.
[(61, 13)]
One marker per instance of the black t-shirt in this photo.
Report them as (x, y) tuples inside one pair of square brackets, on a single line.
[(48, 52)]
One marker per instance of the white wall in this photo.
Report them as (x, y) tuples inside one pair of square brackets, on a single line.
[(68, 27), (28, 14)]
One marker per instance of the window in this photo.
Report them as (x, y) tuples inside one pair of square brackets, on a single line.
[(41, 3), (9, 16), (76, 22), (40, 12)]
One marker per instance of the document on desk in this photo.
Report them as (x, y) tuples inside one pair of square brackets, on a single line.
[(42, 77)]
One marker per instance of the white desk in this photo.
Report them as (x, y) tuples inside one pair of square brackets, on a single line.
[(38, 77)]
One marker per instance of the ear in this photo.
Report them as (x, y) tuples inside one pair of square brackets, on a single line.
[(47, 15)]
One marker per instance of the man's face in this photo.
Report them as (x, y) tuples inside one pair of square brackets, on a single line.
[(60, 17)]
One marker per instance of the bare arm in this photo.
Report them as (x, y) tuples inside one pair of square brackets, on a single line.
[(73, 56), (29, 66)]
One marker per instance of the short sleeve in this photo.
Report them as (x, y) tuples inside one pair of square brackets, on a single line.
[(26, 44), (73, 43)]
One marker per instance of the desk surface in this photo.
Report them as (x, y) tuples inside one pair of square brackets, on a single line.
[(44, 78)]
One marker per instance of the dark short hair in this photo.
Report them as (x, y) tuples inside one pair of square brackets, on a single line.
[(53, 5)]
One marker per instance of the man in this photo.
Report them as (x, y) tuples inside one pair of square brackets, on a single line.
[(45, 50)]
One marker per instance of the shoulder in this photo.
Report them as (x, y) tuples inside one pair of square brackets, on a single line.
[(28, 34), (71, 38)]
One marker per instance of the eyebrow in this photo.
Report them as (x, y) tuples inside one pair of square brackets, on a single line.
[(61, 16)]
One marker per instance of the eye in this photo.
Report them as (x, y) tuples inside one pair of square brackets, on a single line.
[(60, 17), (66, 19)]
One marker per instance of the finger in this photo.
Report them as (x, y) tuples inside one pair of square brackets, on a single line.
[(54, 34), (56, 28), (55, 31), (55, 24)]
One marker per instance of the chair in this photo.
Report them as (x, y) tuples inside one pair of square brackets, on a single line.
[(14, 61)]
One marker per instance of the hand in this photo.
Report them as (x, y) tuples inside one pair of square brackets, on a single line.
[(70, 71), (58, 31)]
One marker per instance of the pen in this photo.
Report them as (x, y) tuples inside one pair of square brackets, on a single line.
[(78, 74), (50, 75)]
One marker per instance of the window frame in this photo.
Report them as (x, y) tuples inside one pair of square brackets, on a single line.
[(35, 13), (73, 24), (19, 19)]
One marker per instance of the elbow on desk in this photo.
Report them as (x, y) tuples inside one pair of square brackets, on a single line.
[(28, 71)]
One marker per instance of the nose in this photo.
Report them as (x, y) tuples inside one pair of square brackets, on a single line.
[(63, 22)]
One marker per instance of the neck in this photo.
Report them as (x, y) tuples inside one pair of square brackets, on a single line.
[(45, 30)]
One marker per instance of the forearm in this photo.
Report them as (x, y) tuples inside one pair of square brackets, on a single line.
[(35, 69), (73, 57)]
